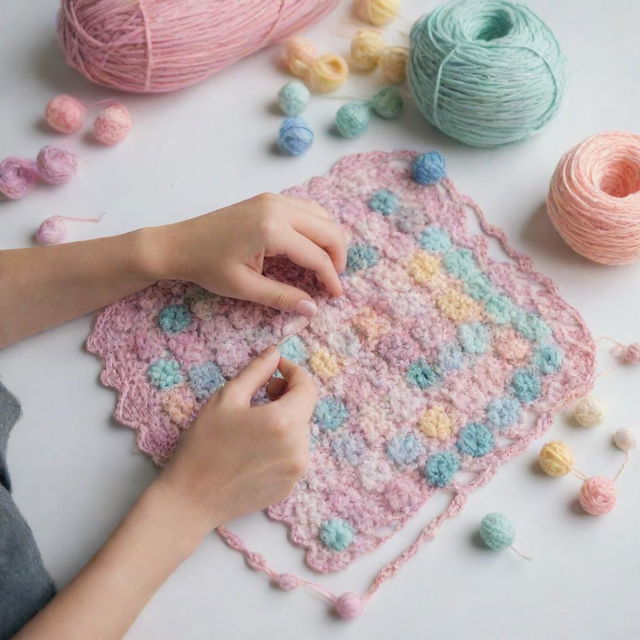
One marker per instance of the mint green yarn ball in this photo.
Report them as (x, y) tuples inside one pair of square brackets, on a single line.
[(293, 97), (352, 119), (497, 531), (388, 103), (485, 72)]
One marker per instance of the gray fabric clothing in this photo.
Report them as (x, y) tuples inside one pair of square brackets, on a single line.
[(25, 585)]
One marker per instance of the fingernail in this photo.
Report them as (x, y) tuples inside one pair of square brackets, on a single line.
[(268, 351), (306, 308)]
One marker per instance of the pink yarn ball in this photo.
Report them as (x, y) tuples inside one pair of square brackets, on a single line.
[(112, 124), (631, 354), (349, 605), (18, 176), (65, 114), (55, 165), (51, 231), (598, 495), (286, 581)]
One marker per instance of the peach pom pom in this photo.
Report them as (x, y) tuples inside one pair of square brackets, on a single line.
[(598, 495), (18, 176), (65, 114), (112, 124), (393, 64), (349, 605), (328, 73), (299, 55), (366, 48), (55, 165)]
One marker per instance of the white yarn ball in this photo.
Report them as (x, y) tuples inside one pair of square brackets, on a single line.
[(589, 412), (625, 439)]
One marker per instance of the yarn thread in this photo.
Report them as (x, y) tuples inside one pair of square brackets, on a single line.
[(53, 230)]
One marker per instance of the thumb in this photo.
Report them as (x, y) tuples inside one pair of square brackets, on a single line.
[(272, 293), (256, 374)]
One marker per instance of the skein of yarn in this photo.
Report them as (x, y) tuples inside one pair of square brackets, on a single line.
[(149, 46), (594, 198), (485, 72)]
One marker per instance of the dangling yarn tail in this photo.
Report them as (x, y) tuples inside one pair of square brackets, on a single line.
[(522, 555), (623, 466)]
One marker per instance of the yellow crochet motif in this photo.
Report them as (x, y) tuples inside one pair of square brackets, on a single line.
[(369, 325), (457, 306), (436, 423), (423, 266), (324, 364), (178, 407)]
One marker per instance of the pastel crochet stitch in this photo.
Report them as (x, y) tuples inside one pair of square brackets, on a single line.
[(437, 364)]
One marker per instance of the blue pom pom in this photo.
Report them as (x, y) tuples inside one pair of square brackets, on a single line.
[(361, 256), (428, 168), (330, 413), (336, 534), (441, 467), (384, 201), (421, 374), (497, 531), (404, 449), (164, 374), (205, 379), (293, 98), (475, 440), (174, 318), (352, 119), (503, 412), (526, 386), (295, 136)]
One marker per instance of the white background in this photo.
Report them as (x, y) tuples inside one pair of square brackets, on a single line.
[(76, 471)]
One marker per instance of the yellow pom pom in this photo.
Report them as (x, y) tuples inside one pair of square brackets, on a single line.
[(589, 412), (377, 12), (393, 64), (299, 55), (556, 459), (328, 73), (366, 49)]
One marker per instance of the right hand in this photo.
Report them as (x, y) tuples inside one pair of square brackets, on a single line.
[(235, 458)]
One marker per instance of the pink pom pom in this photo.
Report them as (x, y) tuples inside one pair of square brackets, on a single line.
[(17, 177), (598, 495), (112, 124), (631, 354), (286, 581), (65, 114), (349, 605), (51, 231), (56, 166)]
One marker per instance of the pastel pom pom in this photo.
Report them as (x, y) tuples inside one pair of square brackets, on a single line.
[(328, 73), (55, 165), (393, 64), (388, 103), (65, 114), (589, 412), (293, 98), (625, 439), (352, 119), (366, 49), (556, 459), (598, 495), (295, 136), (497, 531), (18, 176), (376, 12), (299, 55), (631, 353), (428, 168), (349, 605), (112, 124), (51, 231), (286, 581)]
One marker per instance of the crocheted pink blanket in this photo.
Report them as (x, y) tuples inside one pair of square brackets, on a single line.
[(439, 362)]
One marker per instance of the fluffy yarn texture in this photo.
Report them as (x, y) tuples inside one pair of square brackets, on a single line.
[(598, 495), (376, 12), (18, 176), (295, 136), (556, 459), (298, 55), (293, 97), (497, 531), (366, 48), (65, 114), (428, 168), (588, 412), (149, 46), (594, 198), (429, 366), (112, 124), (393, 64), (388, 103), (53, 230), (352, 119), (625, 439), (485, 72), (631, 353), (55, 165), (328, 73)]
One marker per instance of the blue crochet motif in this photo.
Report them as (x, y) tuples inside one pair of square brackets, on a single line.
[(336, 534), (474, 338), (503, 412), (531, 326), (460, 263), (361, 256), (330, 413), (422, 374), (548, 359), (500, 308), (441, 467), (450, 358), (428, 168), (435, 239), (384, 202), (205, 379), (475, 440), (294, 349), (478, 286), (526, 385), (164, 374), (174, 318), (404, 449), (347, 448)]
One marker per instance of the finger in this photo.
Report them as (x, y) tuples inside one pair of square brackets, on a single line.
[(276, 387), (300, 396), (255, 374), (310, 206)]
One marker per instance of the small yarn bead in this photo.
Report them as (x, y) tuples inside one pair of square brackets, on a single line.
[(112, 124), (256, 561), (366, 49), (428, 168), (293, 97), (65, 114), (388, 103), (556, 459), (55, 165), (625, 439), (631, 353), (328, 73), (51, 231), (295, 136), (352, 119), (376, 12), (497, 531), (299, 54), (598, 495), (393, 64), (18, 176), (286, 581), (589, 412), (349, 605)]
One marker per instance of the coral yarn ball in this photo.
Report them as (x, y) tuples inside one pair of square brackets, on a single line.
[(112, 124), (497, 531), (65, 114), (349, 605), (598, 495), (18, 176), (556, 459), (51, 231), (366, 49), (55, 165), (625, 439), (377, 12), (299, 54), (589, 412)]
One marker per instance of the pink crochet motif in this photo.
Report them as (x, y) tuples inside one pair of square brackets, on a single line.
[(440, 362)]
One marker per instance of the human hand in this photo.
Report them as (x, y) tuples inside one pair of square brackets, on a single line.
[(235, 458), (224, 251)]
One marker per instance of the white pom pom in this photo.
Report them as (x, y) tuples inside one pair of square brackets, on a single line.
[(589, 412), (625, 439)]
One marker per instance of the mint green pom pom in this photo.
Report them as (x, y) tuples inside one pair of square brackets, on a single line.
[(388, 103), (293, 97), (352, 119), (336, 534), (497, 531)]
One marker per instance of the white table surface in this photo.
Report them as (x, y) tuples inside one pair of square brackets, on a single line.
[(76, 471)]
